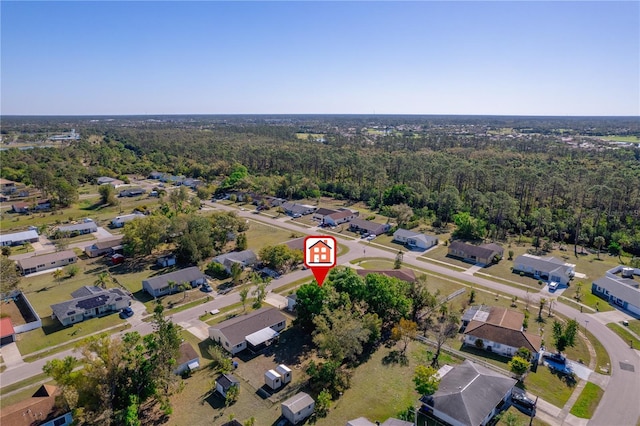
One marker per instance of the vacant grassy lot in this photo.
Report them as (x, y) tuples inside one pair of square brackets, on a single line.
[(634, 325), (549, 386), (588, 298), (260, 235), (587, 401), (439, 254), (626, 138)]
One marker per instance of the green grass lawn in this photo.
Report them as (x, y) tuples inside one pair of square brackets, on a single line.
[(519, 418), (634, 325), (548, 386), (52, 333), (628, 138), (624, 334), (260, 235), (439, 254), (603, 362), (587, 401)]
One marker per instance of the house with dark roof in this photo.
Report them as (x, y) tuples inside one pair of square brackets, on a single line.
[(402, 274), (86, 227), (226, 382), (320, 214), (342, 216), (7, 332), (545, 268), (294, 209), (414, 239), (621, 288), (469, 394), (39, 410), (253, 331), (7, 186), (133, 192), (46, 261), (368, 227), (298, 407), (485, 253), (188, 359), (89, 302), (243, 258), (500, 331), (104, 246), (18, 238), (26, 207), (160, 285)]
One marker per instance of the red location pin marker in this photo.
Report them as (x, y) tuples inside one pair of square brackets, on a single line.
[(320, 255)]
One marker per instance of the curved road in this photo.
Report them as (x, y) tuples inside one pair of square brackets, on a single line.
[(619, 405)]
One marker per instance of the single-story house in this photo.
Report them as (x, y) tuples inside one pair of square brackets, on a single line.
[(26, 207), (104, 246), (41, 409), (298, 407), (89, 302), (155, 175), (292, 299), (18, 238), (339, 217), (363, 421), (469, 394), (159, 285), (46, 261), (485, 253), (321, 213), (166, 260), (546, 268), (133, 192), (366, 226), (119, 221), (102, 180), (254, 331), (226, 382), (188, 359), (293, 209), (192, 183), (86, 227), (7, 186), (500, 330), (243, 258), (402, 274), (7, 332), (620, 287), (414, 239)]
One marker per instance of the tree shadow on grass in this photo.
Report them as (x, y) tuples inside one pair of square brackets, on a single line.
[(50, 326), (395, 357)]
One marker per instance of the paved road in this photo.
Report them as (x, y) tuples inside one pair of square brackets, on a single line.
[(618, 407)]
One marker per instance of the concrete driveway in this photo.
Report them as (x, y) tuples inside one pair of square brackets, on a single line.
[(102, 234)]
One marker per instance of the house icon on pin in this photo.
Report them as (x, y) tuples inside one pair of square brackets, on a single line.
[(320, 252)]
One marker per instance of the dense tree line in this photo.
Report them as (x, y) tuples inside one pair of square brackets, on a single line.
[(531, 184)]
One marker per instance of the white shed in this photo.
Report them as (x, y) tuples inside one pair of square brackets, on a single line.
[(298, 407), (285, 372), (272, 379)]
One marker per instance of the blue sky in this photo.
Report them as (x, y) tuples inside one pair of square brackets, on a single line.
[(515, 58)]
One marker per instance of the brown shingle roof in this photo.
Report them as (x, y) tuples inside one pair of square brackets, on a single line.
[(32, 411), (186, 353), (505, 327)]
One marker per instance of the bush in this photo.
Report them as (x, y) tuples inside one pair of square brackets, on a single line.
[(217, 270), (72, 270)]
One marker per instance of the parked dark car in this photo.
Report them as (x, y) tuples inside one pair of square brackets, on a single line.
[(126, 312), (522, 402), (206, 288), (557, 358)]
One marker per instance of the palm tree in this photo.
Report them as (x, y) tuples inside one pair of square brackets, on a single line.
[(172, 286), (57, 274), (102, 280), (599, 242), (543, 302), (185, 286)]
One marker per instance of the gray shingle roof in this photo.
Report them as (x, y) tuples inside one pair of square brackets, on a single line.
[(108, 243), (227, 380), (19, 236), (470, 391), (246, 257), (75, 306), (178, 277), (236, 329), (481, 252), (86, 291), (298, 401), (78, 227), (542, 264), (622, 288)]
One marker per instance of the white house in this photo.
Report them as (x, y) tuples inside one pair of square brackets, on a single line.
[(243, 258), (86, 227), (339, 217), (414, 239), (621, 287), (46, 261), (253, 331), (119, 221), (298, 407), (545, 268), (18, 238)]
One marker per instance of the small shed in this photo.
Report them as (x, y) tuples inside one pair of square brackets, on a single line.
[(226, 382), (166, 260), (7, 333), (272, 379), (298, 407), (292, 299), (285, 372)]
